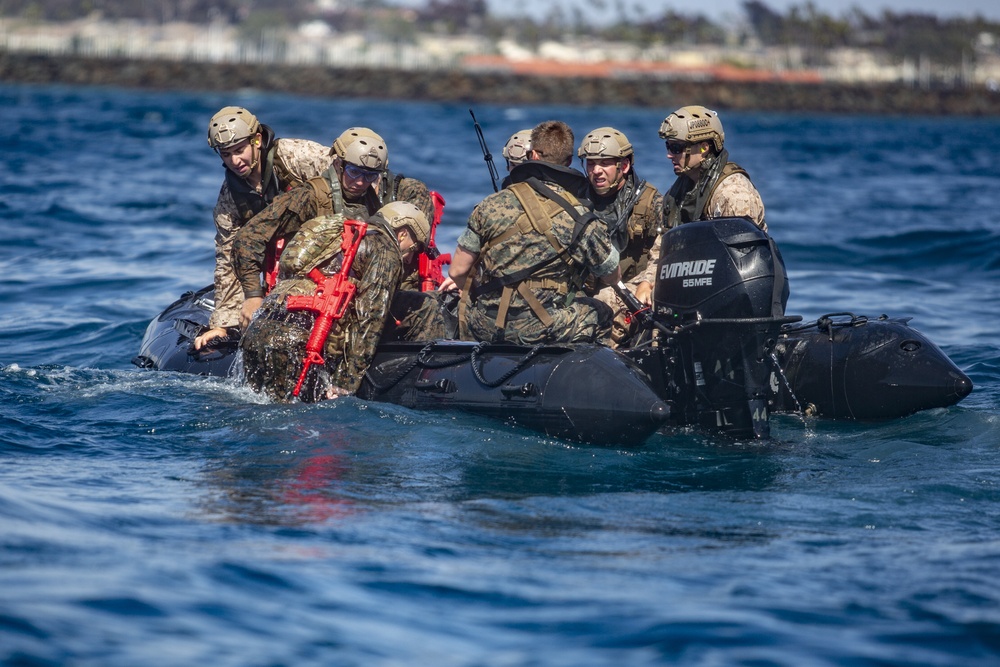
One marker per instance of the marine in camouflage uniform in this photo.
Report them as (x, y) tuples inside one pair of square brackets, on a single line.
[(356, 184), (631, 208), (279, 165), (413, 233), (414, 314), (708, 185), (533, 251), (274, 345)]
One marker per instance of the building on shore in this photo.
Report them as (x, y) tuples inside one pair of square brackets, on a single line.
[(316, 43)]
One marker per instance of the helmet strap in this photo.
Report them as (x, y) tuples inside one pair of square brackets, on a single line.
[(686, 165), (255, 152), (620, 178)]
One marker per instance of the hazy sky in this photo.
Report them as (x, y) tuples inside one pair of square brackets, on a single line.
[(715, 9)]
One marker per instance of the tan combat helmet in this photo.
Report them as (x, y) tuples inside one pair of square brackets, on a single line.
[(693, 124), (604, 142), (231, 125), (362, 147), (516, 150), (401, 214)]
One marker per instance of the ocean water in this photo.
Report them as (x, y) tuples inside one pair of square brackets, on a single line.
[(157, 519)]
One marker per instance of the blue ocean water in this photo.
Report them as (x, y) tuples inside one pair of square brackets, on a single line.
[(156, 519)]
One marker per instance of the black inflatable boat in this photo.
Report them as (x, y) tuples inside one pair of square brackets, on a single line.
[(718, 353)]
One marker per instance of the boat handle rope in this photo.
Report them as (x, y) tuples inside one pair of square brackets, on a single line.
[(419, 359), (477, 370), (423, 359), (826, 323)]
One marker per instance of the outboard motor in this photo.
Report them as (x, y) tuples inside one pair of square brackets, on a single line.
[(721, 288)]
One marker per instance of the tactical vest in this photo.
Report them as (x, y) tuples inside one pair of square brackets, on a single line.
[(635, 256), (287, 179), (330, 194), (630, 210), (389, 194), (686, 200), (540, 205), (618, 215)]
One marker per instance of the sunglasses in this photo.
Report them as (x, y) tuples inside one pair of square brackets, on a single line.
[(676, 147), (356, 173)]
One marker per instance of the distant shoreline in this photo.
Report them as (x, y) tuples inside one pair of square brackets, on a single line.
[(498, 87)]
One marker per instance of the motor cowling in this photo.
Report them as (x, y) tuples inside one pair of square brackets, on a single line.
[(721, 286), (724, 268)]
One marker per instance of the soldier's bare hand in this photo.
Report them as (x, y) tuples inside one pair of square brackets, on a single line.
[(336, 392), (250, 306), (210, 335), (644, 292)]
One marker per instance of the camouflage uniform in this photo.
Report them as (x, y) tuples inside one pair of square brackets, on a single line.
[(724, 190), (411, 275), (736, 196), (319, 196), (292, 162), (634, 216), (418, 315), (401, 188), (275, 342), (502, 254)]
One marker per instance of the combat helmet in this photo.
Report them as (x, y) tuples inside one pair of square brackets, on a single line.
[(231, 125), (604, 142), (401, 214), (693, 124), (516, 150), (362, 147)]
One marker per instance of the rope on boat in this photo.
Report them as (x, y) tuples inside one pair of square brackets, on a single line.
[(826, 323), (382, 388), (424, 360), (477, 370)]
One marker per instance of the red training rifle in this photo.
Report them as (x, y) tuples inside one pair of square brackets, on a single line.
[(431, 259), (329, 302), (272, 256)]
